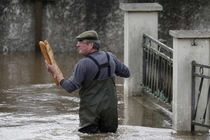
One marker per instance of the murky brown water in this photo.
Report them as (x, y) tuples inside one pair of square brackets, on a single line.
[(32, 107)]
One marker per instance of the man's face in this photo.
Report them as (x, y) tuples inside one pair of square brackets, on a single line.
[(84, 47)]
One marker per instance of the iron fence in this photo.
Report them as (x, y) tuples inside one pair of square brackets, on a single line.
[(157, 69), (200, 73)]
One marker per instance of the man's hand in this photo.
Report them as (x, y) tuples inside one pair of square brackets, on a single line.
[(52, 68)]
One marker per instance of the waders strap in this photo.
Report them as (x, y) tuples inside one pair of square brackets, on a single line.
[(102, 66)]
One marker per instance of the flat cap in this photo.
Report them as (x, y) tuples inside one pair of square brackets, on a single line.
[(91, 34)]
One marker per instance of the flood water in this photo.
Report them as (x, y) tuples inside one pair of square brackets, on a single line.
[(32, 107)]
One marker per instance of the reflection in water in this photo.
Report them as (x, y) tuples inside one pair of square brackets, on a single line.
[(32, 107)]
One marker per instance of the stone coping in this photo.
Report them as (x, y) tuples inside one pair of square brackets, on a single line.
[(141, 7), (190, 33)]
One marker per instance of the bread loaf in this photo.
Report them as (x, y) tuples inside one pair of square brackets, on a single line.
[(49, 57)]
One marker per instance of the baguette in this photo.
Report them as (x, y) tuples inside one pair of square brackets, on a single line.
[(48, 54)]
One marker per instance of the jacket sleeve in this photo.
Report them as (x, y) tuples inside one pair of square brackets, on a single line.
[(121, 69), (77, 77)]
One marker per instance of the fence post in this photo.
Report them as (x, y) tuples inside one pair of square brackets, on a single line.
[(188, 45), (139, 18)]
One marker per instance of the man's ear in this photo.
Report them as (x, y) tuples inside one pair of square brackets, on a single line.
[(91, 44)]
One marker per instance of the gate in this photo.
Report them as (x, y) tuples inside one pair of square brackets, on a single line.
[(158, 77), (157, 69), (200, 77)]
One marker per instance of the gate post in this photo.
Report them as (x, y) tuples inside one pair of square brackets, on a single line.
[(139, 18), (188, 45)]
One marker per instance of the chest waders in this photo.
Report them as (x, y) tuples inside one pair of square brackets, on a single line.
[(98, 103)]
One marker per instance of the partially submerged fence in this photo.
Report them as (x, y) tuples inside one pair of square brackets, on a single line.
[(157, 69), (200, 76), (155, 73)]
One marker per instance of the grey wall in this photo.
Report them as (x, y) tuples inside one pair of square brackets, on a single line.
[(63, 20), (17, 25)]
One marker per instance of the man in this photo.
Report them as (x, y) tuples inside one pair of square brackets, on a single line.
[(94, 75)]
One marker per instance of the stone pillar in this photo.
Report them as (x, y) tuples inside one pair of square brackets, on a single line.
[(139, 18), (187, 46)]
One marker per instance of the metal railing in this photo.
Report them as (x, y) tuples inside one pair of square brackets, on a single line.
[(198, 77), (157, 69)]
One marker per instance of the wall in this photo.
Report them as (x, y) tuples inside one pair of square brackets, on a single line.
[(63, 20)]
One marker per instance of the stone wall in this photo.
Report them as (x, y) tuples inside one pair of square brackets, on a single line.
[(63, 20)]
